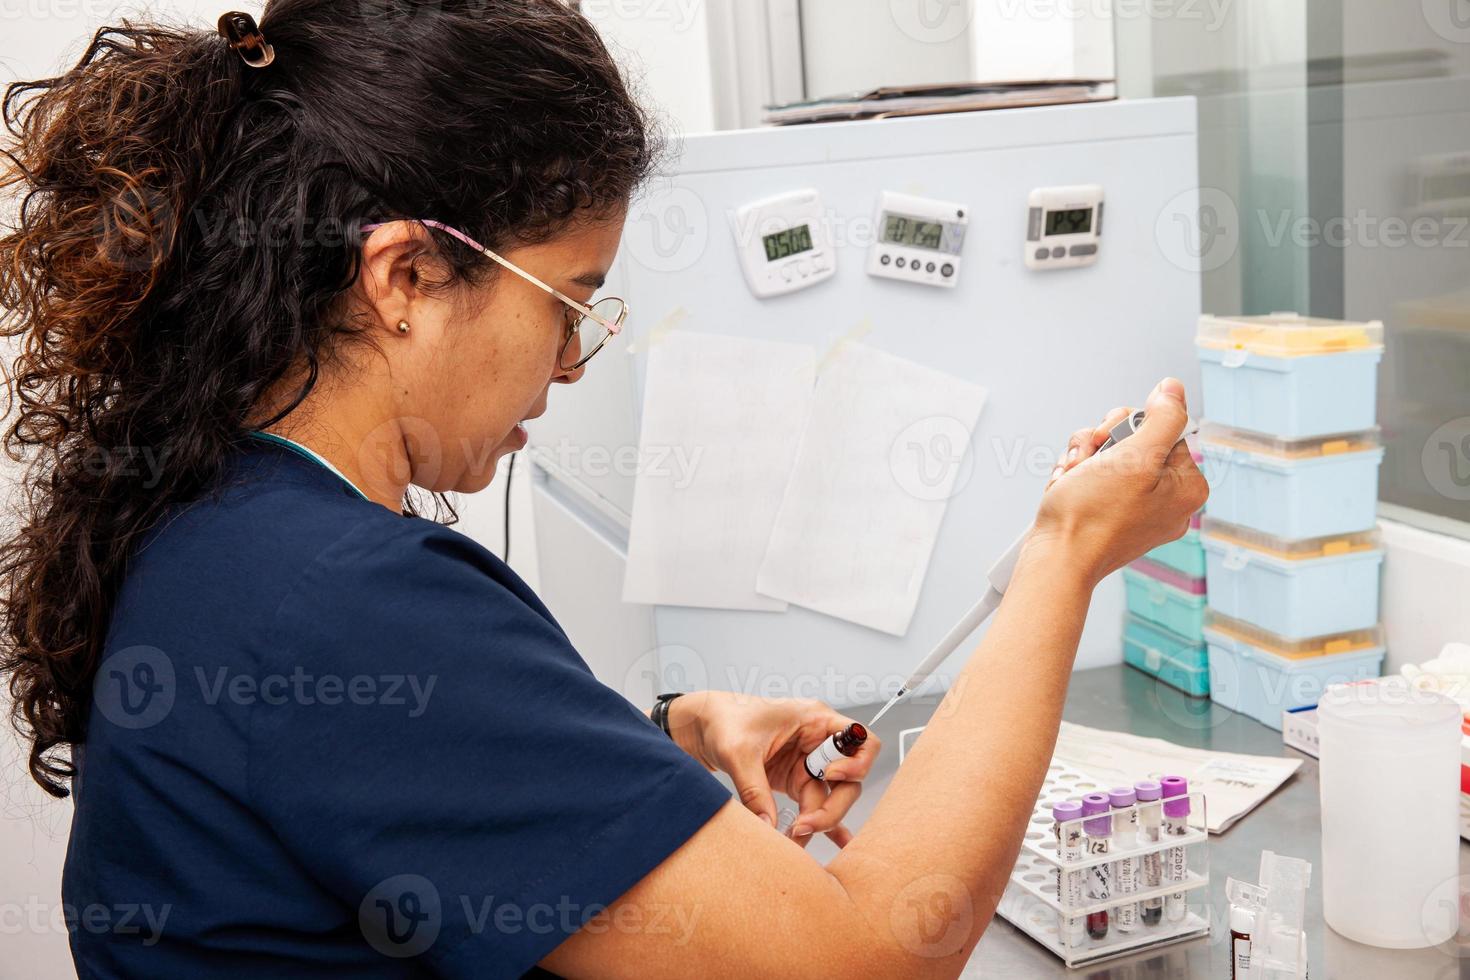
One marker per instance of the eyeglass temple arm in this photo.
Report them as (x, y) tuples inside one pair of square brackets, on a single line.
[(612, 328)]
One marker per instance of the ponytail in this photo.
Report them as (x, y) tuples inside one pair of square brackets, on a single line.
[(185, 237), (106, 161)]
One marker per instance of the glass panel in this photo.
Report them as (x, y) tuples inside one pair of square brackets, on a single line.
[(1335, 176)]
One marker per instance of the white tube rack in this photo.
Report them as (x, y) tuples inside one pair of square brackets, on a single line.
[(1031, 903)]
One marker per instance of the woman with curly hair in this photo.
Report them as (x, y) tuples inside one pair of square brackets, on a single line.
[(266, 281)]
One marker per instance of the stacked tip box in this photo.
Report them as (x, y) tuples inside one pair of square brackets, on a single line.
[(1164, 632), (1291, 551)]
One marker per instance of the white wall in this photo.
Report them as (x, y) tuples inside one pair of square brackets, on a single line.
[(664, 45), (1426, 593)]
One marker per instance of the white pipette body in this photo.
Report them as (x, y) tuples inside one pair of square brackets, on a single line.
[(999, 577)]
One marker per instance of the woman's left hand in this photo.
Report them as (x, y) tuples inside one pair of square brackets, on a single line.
[(762, 744)]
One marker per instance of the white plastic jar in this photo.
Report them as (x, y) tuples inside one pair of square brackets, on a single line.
[(1390, 758)]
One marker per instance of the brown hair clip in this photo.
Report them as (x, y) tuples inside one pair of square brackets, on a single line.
[(245, 37)]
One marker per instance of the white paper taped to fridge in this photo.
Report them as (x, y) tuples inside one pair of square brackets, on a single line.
[(883, 449), (722, 419)]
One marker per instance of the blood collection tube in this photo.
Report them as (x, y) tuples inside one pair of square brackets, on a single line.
[(1099, 836), (1070, 886), (1176, 824), (1125, 869), (843, 743), (1151, 868)]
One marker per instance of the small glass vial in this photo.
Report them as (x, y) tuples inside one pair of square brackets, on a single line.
[(843, 743)]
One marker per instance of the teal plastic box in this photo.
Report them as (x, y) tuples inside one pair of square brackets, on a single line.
[(1178, 611), (1187, 555), (1173, 659)]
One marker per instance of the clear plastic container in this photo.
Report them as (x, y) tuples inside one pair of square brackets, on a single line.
[(1298, 376), (1296, 588), (1350, 641), (1390, 815), (1292, 488), (1288, 334), (1262, 675)]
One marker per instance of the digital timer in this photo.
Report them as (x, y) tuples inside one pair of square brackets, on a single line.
[(784, 243), (1064, 227), (919, 240)]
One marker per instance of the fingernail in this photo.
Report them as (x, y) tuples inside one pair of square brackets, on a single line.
[(1172, 387), (801, 831), (1058, 471), (1073, 453)]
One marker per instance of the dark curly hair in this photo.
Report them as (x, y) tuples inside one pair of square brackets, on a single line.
[(184, 234)]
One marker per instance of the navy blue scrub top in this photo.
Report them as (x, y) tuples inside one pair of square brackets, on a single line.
[(331, 740)]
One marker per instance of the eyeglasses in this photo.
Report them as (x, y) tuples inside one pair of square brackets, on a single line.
[(593, 326)]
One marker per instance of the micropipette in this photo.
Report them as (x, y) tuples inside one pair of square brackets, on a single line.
[(999, 578)]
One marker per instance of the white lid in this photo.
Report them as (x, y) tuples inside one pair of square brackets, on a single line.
[(1389, 706)]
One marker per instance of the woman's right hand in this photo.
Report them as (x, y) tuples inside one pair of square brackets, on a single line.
[(1105, 510)]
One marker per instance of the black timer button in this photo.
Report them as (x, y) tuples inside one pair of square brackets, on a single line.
[(929, 267), (1058, 252), (885, 259), (947, 270), (1043, 253), (899, 263)]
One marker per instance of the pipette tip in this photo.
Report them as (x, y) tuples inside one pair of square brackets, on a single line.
[(891, 702)]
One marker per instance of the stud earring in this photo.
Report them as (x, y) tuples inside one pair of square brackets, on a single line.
[(403, 326)]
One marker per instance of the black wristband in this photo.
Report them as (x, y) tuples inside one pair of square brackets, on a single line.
[(661, 711)]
